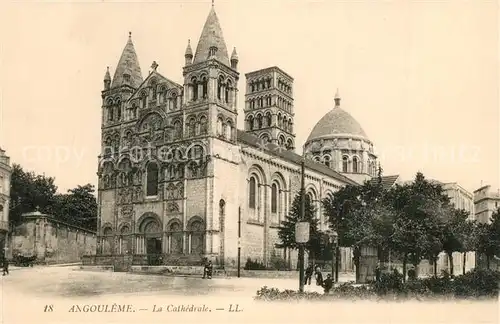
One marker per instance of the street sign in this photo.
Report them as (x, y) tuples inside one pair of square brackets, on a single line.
[(302, 232)]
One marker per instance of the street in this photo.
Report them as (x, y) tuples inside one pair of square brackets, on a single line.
[(69, 295)]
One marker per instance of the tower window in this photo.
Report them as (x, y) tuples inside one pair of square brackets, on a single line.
[(194, 87), (344, 163), (110, 114), (274, 198), (204, 83), (174, 101), (252, 197), (355, 165), (152, 180)]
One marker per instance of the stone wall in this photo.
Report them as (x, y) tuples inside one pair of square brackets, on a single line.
[(51, 241)]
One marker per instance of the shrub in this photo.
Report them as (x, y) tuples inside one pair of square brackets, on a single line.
[(474, 284), (278, 263), (254, 265)]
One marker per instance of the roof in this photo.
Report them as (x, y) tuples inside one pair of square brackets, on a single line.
[(211, 35), (387, 181), (128, 63), (292, 157), (335, 122)]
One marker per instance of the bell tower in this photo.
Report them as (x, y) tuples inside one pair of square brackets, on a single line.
[(211, 82), (269, 112)]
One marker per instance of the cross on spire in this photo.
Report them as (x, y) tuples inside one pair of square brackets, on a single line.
[(213, 3)]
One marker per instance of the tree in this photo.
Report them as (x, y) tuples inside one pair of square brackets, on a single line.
[(487, 237), (350, 212), (77, 207), (286, 231), (454, 232), (417, 227), (29, 192)]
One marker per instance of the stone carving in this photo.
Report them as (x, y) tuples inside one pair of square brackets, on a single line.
[(335, 143), (125, 196), (138, 194), (172, 207), (180, 190), (127, 211)]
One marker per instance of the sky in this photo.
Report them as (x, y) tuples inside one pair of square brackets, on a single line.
[(421, 77)]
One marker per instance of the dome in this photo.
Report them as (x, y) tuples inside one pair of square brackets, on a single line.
[(336, 122)]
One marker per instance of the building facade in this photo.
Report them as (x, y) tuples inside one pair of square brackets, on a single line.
[(179, 182), (51, 240), (486, 202), (5, 176), (461, 198)]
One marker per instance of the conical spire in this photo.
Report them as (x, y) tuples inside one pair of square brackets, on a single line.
[(211, 37), (107, 76), (189, 51), (234, 55), (337, 98), (129, 65)]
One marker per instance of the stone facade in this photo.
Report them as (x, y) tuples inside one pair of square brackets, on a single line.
[(485, 203), (178, 182), (5, 175), (50, 240)]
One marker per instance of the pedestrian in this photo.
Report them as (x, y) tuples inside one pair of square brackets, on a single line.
[(5, 266), (309, 273), (319, 277), (377, 271), (328, 284), (210, 268)]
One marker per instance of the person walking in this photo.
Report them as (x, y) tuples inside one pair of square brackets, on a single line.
[(319, 277), (309, 273), (5, 266)]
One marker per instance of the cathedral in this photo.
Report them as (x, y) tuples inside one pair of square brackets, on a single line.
[(180, 182)]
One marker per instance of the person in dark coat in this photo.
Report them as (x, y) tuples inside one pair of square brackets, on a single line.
[(319, 277), (309, 273), (207, 271), (5, 266), (328, 283), (378, 271)]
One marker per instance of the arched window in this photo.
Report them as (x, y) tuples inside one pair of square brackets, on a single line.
[(281, 140), (229, 130), (289, 144), (268, 119), (174, 101), (279, 120), (153, 90), (191, 127), (265, 138), (274, 198), (250, 123), (355, 164), (219, 126), (110, 113), (118, 110), (194, 87), (327, 160), (196, 237), (252, 195), (345, 162), (152, 180), (144, 100), (134, 110), (204, 84), (219, 87), (203, 125), (227, 93), (259, 121), (175, 238), (1, 213), (177, 129)]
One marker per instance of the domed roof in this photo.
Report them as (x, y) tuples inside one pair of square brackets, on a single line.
[(337, 121)]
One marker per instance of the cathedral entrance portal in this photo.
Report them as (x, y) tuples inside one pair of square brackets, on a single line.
[(152, 230)]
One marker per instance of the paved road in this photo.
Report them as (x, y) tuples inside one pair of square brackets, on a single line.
[(27, 292)]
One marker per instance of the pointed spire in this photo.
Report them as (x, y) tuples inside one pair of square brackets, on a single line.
[(234, 55), (107, 76), (211, 38), (189, 51), (128, 65), (337, 98)]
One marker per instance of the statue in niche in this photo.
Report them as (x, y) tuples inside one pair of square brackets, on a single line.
[(335, 143), (194, 169), (171, 191), (168, 135), (138, 194), (172, 207), (106, 182)]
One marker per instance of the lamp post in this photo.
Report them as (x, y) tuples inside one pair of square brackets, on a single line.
[(333, 236)]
